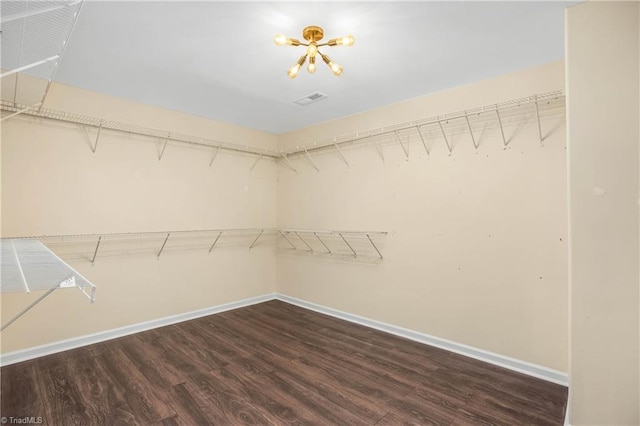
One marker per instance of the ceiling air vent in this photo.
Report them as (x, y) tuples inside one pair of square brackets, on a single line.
[(309, 99)]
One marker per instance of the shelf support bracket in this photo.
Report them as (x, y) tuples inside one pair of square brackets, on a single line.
[(374, 246), (255, 162), (27, 67), (164, 145), (305, 243), (320, 239), (341, 154), (349, 245), (289, 241), (406, 153), (424, 142), (95, 144), (315, 166), (6, 117), (444, 135), (95, 252), (473, 138), (256, 240), (535, 102), (164, 244), (214, 154), (288, 163), (504, 139), (214, 243), (25, 310), (379, 149)]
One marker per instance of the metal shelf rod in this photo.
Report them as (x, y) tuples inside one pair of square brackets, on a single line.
[(28, 308), (29, 66), (303, 240), (216, 240), (320, 239), (347, 243), (289, 241)]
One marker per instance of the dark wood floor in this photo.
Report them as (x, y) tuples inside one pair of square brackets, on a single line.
[(272, 363)]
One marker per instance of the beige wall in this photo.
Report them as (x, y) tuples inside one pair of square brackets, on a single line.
[(603, 140), (53, 184), (477, 248)]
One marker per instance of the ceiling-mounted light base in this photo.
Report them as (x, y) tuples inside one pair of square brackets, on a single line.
[(313, 33)]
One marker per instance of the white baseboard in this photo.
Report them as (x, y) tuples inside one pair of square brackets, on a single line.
[(503, 361), (566, 415), (76, 342), (479, 354)]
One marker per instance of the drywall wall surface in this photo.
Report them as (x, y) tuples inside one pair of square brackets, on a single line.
[(53, 184), (476, 251), (603, 148)]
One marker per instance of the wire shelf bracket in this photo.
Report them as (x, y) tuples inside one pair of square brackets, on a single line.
[(28, 265), (361, 245)]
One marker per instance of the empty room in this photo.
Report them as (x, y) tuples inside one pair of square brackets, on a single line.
[(328, 213)]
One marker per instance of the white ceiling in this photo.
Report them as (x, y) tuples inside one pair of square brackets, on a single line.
[(218, 59)]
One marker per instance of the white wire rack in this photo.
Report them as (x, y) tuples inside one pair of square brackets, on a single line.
[(424, 132), (165, 136), (92, 247), (28, 265), (443, 128), (363, 245), (35, 35)]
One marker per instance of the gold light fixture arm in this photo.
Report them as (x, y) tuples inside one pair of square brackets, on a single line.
[(313, 34)]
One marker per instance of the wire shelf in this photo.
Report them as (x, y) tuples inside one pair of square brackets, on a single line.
[(444, 127), (28, 265), (92, 247), (35, 35), (111, 125)]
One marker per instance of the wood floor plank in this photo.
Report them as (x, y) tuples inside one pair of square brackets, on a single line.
[(62, 397), (105, 403), (261, 392), (396, 419), (194, 409), (273, 364), (322, 404), (145, 401), (21, 392), (310, 378)]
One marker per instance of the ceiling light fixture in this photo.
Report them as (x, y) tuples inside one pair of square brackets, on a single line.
[(313, 35)]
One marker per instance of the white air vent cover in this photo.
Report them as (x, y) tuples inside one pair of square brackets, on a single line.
[(309, 99)]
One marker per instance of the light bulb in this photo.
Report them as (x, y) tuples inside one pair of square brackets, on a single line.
[(335, 68), (312, 50), (347, 41), (282, 40), (293, 71), (312, 65)]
